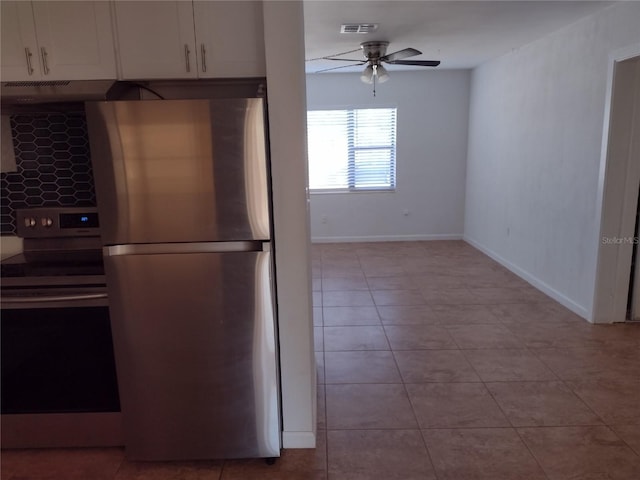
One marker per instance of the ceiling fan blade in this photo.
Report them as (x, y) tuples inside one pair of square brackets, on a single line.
[(407, 52), (336, 68), (344, 59), (417, 63), (334, 55)]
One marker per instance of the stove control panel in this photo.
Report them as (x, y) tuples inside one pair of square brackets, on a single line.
[(58, 222)]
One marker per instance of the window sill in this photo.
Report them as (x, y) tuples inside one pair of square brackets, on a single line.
[(349, 192)]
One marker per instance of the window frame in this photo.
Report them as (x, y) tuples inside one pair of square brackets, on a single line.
[(352, 149)]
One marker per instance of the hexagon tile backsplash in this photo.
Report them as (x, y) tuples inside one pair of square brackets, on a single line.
[(53, 165)]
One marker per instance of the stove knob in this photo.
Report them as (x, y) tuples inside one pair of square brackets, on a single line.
[(29, 222), (46, 222)]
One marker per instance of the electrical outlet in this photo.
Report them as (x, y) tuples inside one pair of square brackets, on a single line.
[(405, 212), (324, 219)]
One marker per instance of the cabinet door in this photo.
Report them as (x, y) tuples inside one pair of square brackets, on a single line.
[(18, 41), (156, 39), (229, 38), (75, 40)]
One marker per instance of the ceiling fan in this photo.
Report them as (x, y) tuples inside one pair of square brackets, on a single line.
[(375, 54)]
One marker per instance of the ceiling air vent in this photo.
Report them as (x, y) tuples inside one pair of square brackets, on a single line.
[(358, 27)]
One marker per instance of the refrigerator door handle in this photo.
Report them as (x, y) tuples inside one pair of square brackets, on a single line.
[(192, 247)]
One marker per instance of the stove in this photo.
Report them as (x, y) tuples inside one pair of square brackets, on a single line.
[(58, 242), (59, 383)]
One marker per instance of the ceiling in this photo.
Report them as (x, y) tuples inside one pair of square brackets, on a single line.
[(459, 34)]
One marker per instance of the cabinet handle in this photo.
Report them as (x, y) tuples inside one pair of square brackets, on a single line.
[(45, 62), (28, 54), (186, 57), (203, 54)]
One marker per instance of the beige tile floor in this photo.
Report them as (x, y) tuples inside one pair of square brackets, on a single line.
[(434, 362)]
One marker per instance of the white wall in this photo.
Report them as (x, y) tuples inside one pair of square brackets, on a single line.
[(284, 49), (535, 133), (433, 112)]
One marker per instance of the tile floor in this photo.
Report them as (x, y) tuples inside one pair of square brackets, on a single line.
[(434, 362)]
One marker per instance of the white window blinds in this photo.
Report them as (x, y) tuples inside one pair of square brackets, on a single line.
[(352, 149)]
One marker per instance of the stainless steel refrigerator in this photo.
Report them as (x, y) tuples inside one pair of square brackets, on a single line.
[(183, 199)]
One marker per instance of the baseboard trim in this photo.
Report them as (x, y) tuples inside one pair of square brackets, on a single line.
[(388, 238), (298, 440), (535, 281)]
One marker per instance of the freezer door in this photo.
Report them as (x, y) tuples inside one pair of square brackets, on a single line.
[(194, 340), (180, 170)]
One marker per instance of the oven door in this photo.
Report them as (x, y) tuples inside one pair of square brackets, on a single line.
[(59, 385)]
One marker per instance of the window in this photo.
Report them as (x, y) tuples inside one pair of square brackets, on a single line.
[(352, 149)]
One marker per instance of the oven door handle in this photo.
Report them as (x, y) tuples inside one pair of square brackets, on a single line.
[(54, 298)]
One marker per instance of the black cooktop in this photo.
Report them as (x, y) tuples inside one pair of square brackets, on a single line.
[(53, 264)]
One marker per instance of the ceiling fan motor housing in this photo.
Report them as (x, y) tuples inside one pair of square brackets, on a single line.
[(373, 51)]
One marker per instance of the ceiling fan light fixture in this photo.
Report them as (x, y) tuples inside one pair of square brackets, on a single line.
[(382, 74), (367, 74)]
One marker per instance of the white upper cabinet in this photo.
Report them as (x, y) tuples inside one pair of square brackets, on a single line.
[(156, 40), (201, 39), (57, 41), (19, 46), (229, 38), (75, 40)]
